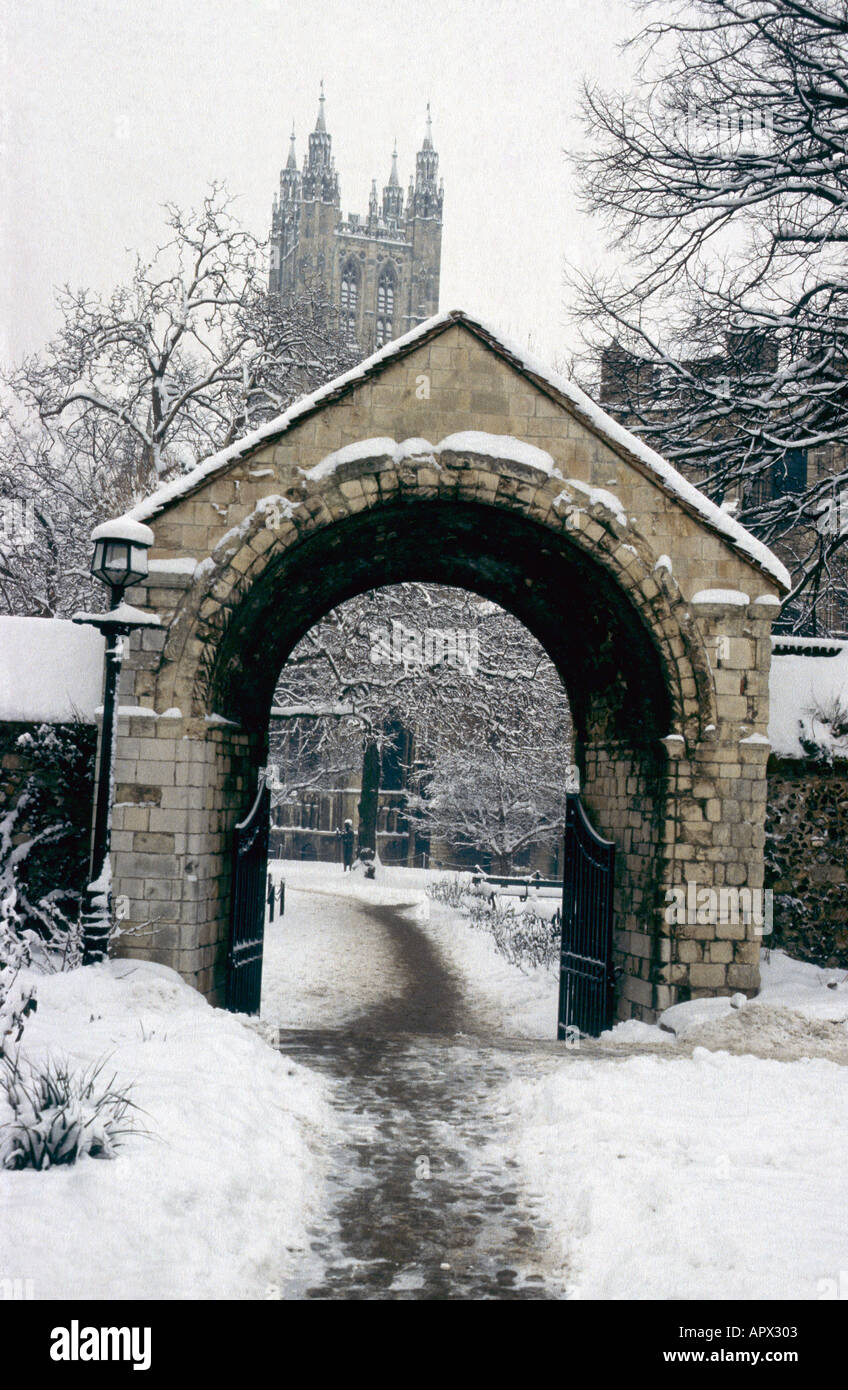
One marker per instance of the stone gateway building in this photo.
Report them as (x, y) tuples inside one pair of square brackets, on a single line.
[(380, 271), (447, 457)]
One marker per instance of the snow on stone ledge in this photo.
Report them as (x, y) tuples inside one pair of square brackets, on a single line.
[(473, 442), (594, 497), (51, 670), (177, 564), (801, 690), (352, 453), (732, 598), (500, 446)]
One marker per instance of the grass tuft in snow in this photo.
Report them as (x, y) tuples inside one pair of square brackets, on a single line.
[(452, 892), (60, 1115), (523, 938)]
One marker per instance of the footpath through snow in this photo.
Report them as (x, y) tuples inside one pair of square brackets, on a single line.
[(653, 1166)]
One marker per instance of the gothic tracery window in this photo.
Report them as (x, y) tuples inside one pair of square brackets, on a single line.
[(349, 299), (385, 307)]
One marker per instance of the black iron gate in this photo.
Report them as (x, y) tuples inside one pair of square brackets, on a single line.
[(586, 977), (247, 924)]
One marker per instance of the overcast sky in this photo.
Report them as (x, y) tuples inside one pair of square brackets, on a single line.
[(115, 106)]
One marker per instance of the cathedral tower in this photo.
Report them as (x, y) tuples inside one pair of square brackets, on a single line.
[(380, 271)]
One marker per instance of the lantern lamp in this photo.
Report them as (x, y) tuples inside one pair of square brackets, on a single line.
[(120, 554)]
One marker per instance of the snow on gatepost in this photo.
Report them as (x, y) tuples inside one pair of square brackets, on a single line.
[(731, 598)]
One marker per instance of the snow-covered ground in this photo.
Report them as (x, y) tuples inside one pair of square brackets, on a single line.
[(708, 1177), (215, 1203), (324, 960), (325, 963), (704, 1162)]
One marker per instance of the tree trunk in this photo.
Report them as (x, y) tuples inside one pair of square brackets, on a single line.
[(370, 797)]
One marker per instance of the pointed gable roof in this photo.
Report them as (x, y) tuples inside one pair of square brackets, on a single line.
[(559, 389)]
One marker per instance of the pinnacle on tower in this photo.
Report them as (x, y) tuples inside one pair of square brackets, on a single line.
[(428, 134), (320, 124), (428, 201), (393, 193), (289, 177), (320, 181)]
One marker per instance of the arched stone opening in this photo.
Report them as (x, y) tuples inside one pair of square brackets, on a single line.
[(613, 673)]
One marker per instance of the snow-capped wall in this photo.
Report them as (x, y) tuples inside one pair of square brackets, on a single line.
[(808, 705), (51, 671)]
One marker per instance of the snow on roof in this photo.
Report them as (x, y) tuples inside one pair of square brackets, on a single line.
[(805, 693), (582, 405), (51, 671)]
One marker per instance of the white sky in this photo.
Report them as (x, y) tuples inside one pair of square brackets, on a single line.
[(113, 107)]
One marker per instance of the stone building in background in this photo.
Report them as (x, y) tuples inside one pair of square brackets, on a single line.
[(637, 390), (380, 270)]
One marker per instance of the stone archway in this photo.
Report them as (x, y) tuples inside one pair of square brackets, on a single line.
[(446, 457)]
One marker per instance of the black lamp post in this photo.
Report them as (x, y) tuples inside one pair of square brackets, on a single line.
[(120, 559)]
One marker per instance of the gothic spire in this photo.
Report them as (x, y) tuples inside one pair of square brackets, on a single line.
[(394, 181), (320, 180), (428, 133), (320, 124), (393, 193), (428, 200), (291, 162)]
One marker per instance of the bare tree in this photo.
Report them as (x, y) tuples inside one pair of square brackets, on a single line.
[(724, 178), (496, 804), (141, 384), (455, 671)]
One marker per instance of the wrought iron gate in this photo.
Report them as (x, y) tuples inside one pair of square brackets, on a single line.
[(247, 925), (586, 976)]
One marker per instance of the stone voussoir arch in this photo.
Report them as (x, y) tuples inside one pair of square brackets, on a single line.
[(448, 456), (565, 506)]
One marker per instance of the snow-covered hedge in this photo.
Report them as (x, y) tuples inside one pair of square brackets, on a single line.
[(46, 789)]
